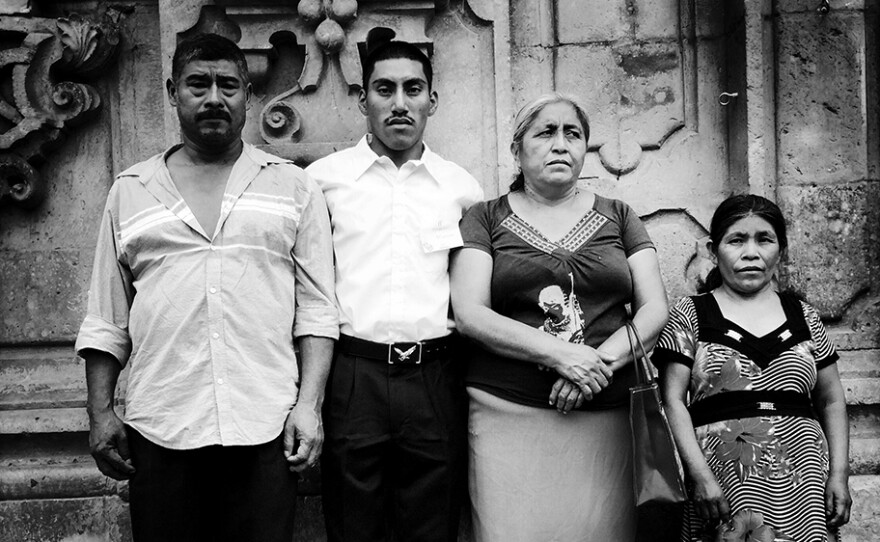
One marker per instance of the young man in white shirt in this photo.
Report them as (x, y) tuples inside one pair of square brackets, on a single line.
[(395, 415)]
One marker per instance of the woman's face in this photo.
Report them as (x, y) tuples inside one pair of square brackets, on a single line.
[(748, 255), (553, 147)]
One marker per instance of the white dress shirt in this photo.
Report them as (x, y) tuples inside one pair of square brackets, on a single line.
[(392, 232), (207, 322)]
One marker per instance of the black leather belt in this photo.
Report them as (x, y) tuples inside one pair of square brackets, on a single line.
[(398, 353), (749, 404)]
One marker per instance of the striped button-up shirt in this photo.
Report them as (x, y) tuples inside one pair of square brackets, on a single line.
[(206, 324)]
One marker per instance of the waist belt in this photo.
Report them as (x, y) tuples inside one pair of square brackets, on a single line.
[(398, 353), (749, 404)]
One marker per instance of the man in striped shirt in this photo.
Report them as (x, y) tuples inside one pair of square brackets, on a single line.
[(213, 258)]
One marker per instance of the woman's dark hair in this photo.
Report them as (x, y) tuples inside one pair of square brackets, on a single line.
[(526, 117), (736, 208)]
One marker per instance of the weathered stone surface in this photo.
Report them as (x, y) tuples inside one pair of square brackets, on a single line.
[(531, 23), (821, 74), (66, 478), (675, 234), (41, 295), (864, 522), (631, 91), (857, 328), (864, 436), (137, 124), (587, 22), (463, 129), (102, 519), (43, 420), (833, 242), (41, 378)]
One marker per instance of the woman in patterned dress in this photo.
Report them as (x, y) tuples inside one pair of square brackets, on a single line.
[(764, 436), (541, 286)]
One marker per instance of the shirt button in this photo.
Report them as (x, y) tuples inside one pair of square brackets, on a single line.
[(220, 381), (216, 335), (213, 290), (213, 248)]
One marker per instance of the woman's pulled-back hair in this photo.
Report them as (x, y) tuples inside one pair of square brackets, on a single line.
[(736, 208), (527, 116)]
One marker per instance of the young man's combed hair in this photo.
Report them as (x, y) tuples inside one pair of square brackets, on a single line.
[(392, 50)]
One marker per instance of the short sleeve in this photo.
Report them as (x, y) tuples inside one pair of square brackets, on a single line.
[(678, 340), (475, 228), (823, 349), (635, 236)]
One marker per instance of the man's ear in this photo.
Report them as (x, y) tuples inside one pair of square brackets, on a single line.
[(435, 101), (171, 88), (248, 94), (362, 101)]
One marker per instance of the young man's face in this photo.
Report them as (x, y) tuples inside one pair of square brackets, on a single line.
[(397, 104), (211, 100)]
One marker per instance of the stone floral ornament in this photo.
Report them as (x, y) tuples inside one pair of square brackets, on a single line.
[(329, 18), (46, 95)]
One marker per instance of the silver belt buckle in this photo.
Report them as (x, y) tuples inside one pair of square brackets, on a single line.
[(765, 405), (399, 355)]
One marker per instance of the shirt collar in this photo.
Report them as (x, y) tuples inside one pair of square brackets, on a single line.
[(147, 169), (365, 157)]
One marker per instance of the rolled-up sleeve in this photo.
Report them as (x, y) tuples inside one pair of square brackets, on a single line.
[(316, 312), (105, 326)]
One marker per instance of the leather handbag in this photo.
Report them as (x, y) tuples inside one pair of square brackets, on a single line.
[(658, 476)]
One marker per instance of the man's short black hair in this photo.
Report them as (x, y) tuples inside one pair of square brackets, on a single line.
[(204, 46), (391, 50)]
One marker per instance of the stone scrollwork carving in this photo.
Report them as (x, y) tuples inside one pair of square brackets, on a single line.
[(280, 122), (328, 20), (47, 95)]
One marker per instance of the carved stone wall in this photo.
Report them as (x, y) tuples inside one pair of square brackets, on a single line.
[(799, 123)]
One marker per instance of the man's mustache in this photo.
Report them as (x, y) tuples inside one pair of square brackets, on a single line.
[(211, 114), (402, 119)]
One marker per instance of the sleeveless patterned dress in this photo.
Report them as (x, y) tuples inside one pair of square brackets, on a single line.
[(772, 469)]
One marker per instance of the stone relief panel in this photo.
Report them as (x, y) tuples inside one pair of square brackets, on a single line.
[(305, 62), (45, 64), (649, 74)]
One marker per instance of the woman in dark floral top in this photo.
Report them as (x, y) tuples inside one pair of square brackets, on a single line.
[(753, 394)]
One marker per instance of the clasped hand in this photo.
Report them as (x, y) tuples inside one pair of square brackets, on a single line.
[(584, 374)]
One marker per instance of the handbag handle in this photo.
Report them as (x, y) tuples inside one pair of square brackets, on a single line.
[(644, 375)]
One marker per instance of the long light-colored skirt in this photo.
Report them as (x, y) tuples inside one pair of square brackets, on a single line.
[(536, 475)]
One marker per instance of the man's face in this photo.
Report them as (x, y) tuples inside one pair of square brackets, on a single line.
[(397, 103), (211, 98)]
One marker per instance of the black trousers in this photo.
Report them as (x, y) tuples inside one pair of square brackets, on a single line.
[(394, 460), (211, 494)]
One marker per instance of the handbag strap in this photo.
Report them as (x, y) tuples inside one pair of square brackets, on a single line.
[(644, 375)]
